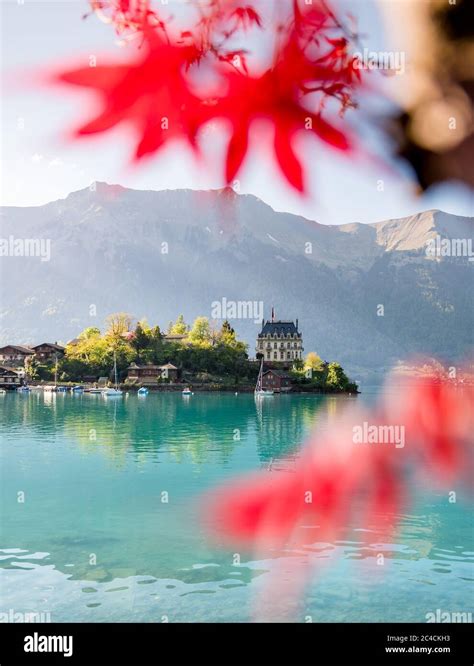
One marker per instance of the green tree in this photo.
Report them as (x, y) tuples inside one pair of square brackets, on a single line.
[(155, 334), (313, 361), (336, 377), (227, 334), (75, 369), (32, 368), (145, 325), (118, 324), (141, 339), (90, 332), (179, 327), (200, 334), (90, 348)]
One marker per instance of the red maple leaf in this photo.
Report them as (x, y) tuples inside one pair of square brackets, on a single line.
[(151, 92), (273, 96), (246, 16)]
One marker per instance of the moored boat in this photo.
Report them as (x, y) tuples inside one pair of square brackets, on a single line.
[(110, 392), (113, 391), (53, 388), (260, 392), (142, 391), (186, 391)]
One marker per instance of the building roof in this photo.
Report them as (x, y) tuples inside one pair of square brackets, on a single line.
[(175, 336), (4, 368), (150, 366), (278, 373), (279, 328), (20, 348), (54, 345)]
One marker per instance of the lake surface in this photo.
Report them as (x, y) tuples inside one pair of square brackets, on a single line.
[(93, 539)]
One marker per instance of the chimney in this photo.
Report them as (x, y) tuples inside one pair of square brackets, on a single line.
[(297, 326)]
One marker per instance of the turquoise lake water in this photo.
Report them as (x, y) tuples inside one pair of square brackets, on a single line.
[(93, 540)]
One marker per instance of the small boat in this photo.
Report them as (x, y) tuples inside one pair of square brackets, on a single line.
[(23, 389), (95, 391), (54, 388), (187, 391), (2, 392), (110, 392), (113, 391), (142, 391), (61, 389), (260, 392), (77, 389)]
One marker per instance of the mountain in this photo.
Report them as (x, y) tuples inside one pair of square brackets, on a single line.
[(158, 254)]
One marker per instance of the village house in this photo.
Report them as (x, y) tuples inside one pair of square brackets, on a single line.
[(48, 351), (15, 355), (276, 380), (149, 374), (9, 378), (279, 342), (175, 337)]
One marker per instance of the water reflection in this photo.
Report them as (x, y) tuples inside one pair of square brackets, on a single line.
[(97, 470), (200, 429), (94, 534)]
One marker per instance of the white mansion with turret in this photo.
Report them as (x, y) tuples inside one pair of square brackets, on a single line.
[(279, 342)]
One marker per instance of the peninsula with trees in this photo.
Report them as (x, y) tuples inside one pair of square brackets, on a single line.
[(204, 355)]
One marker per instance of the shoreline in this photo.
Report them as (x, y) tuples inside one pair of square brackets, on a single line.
[(201, 388)]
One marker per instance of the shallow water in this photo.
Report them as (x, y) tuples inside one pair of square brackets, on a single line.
[(109, 528)]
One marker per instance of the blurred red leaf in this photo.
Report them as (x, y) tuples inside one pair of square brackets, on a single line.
[(151, 93), (249, 99), (340, 474), (246, 16)]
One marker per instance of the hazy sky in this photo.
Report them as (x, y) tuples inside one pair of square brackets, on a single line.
[(39, 165)]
